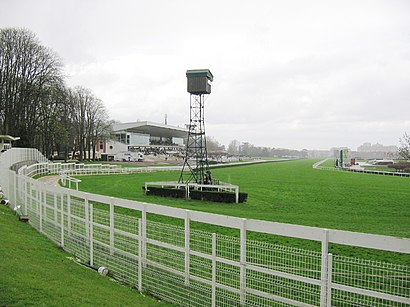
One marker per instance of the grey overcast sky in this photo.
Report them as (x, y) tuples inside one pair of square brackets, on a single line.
[(293, 74)]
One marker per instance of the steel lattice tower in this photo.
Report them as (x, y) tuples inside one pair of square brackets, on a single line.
[(196, 167)]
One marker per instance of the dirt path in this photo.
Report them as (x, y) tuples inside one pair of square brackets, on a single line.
[(51, 180)]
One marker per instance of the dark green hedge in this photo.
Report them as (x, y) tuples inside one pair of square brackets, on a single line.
[(222, 197), (165, 192)]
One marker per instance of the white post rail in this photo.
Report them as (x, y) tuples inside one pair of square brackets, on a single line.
[(242, 281), (213, 301), (91, 219), (112, 244), (69, 213), (62, 219), (40, 204), (87, 219), (329, 280), (144, 235), (139, 256), (187, 247), (55, 207), (324, 268)]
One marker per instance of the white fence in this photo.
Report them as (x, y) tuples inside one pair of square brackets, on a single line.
[(194, 258), (355, 170)]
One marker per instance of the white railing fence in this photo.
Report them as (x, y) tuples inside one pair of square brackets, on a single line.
[(318, 165), (201, 259)]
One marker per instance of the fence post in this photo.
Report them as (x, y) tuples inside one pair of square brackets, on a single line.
[(15, 203), (91, 235), (242, 281), (31, 195), (187, 246), (144, 234), (329, 279), (25, 195), (213, 269), (237, 194), (87, 219), (111, 226), (139, 256), (69, 213), (55, 208), (323, 275), (40, 206), (62, 219)]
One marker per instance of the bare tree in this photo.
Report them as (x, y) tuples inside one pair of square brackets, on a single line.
[(90, 122), (28, 71), (233, 147), (404, 149), (213, 145)]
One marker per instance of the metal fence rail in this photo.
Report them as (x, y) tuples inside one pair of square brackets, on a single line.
[(161, 250)]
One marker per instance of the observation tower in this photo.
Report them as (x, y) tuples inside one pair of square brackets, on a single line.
[(196, 167)]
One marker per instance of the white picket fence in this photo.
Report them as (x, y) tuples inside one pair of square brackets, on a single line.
[(192, 258)]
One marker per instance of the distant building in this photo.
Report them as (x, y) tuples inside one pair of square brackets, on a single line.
[(376, 151), (5, 141), (146, 137), (368, 147)]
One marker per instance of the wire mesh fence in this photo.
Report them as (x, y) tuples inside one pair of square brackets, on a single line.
[(194, 267)]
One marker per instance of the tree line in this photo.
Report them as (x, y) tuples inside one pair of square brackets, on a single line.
[(37, 105), (237, 148)]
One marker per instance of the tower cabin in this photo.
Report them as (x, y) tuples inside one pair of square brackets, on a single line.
[(199, 81)]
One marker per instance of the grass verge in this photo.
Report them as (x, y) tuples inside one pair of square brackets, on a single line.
[(35, 272)]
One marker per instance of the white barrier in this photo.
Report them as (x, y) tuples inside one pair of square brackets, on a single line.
[(158, 249)]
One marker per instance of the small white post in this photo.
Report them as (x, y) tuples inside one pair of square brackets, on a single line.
[(144, 234), (237, 195), (213, 269), (25, 195), (62, 219), (15, 189), (91, 236), (323, 275), (31, 196), (187, 251), (329, 280), (111, 226), (139, 256), (242, 277), (40, 207), (69, 212), (87, 219), (55, 209)]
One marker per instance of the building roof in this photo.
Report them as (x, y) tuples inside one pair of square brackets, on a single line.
[(151, 128), (6, 137), (200, 73)]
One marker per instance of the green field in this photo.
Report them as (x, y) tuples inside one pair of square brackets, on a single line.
[(35, 272), (289, 192)]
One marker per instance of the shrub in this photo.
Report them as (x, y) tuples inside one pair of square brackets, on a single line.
[(165, 192), (208, 195)]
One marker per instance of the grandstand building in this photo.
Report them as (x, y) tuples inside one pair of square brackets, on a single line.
[(143, 136)]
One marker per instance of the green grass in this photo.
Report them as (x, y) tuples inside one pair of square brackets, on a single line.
[(289, 192), (35, 272), (380, 168)]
